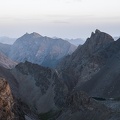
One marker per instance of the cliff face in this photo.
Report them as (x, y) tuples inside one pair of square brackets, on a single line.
[(39, 87), (84, 63), (96, 65), (105, 83), (8, 105)]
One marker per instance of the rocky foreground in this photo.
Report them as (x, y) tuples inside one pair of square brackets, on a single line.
[(33, 92)]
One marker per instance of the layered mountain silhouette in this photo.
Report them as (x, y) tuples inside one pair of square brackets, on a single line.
[(76, 42), (84, 86), (35, 48), (7, 40), (105, 83), (96, 65)]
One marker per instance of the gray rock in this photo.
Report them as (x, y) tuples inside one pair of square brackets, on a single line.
[(81, 64), (8, 105), (41, 50)]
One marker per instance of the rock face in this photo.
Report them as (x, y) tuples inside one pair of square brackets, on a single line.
[(41, 93), (82, 107), (47, 90), (41, 50), (105, 83), (6, 62), (10, 87), (8, 109), (82, 63), (6, 101), (52, 98), (96, 65)]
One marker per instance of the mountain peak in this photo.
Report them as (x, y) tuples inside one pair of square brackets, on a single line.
[(97, 40), (99, 36), (97, 31), (35, 34)]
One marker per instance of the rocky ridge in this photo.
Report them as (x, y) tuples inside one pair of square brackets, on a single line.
[(38, 49), (8, 105), (51, 98), (42, 93), (105, 83), (83, 63), (96, 66)]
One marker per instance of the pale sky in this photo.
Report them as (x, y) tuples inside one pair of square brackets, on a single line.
[(61, 18)]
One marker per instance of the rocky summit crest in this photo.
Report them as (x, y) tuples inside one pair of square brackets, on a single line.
[(34, 34), (31, 35), (98, 39)]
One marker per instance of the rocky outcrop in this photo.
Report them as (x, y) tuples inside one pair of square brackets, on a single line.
[(44, 93), (84, 63), (105, 83), (44, 51), (82, 107), (47, 90), (41, 93), (96, 66), (51, 97), (8, 105)]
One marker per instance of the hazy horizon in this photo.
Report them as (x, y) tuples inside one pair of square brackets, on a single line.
[(60, 18)]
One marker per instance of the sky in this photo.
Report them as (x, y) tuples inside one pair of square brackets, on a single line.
[(60, 18)]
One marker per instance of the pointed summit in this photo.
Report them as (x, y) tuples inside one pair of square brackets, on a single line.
[(31, 35), (97, 31), (97, 40), (100, 37), (34, 34)]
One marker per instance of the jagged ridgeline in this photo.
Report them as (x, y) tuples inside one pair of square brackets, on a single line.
[(84, 86), (38, 49)]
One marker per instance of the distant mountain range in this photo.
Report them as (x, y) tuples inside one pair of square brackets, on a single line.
[(10, 41), (76, 42), (7, 40), (38, 49)]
